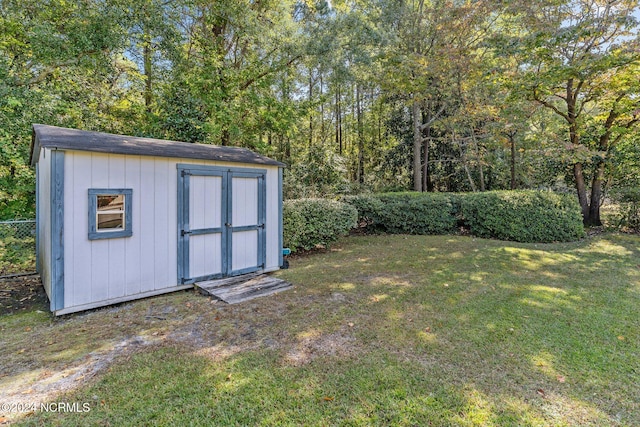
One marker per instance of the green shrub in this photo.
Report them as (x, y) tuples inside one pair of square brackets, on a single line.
[(311, 222), (629, 201), (406, 213), (523, 216), (369, 207), (417, 213)]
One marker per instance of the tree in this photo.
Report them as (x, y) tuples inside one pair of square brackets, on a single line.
[(583, 59), (56, 67)]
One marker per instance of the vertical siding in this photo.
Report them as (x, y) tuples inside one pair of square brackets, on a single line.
[(105, 269), (165, 201), (244, 252), (205, 202), (133, 246), (100, 261), (44, 218), (77, 257), (117, 264), (145, 225), (244, 208), (271, 229)]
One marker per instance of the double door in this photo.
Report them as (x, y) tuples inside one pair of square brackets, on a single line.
[(221, 222)]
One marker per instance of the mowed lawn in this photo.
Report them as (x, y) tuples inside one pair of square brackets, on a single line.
[(380, 330)]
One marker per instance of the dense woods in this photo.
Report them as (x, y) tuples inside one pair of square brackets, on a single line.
[(355, 96)]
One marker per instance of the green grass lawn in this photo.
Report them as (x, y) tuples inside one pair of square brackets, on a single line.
[(381, 330)]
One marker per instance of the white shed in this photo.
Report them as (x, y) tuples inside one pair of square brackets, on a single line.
[(121, 218)]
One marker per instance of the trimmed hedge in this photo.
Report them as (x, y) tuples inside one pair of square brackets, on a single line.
[(406, 212), (524, 216), (417, 213), (311, 222)]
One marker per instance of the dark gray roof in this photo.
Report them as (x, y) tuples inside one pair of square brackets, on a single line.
[(74, 139)]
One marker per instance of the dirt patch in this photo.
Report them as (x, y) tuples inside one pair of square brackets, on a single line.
[(42, 385), (337, 344), (24, 293)]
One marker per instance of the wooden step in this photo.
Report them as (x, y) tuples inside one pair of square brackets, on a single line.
[(228, 281), (238, 289)]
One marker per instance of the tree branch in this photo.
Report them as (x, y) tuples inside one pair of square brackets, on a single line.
[(433, 119), (552, 107), (257, 77), (47, 71)]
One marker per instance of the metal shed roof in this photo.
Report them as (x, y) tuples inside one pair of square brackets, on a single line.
[(74, 139)]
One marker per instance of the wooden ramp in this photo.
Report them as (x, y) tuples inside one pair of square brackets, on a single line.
[(237, 289)]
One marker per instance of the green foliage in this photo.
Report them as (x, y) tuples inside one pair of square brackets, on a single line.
[(321, 174), (17, 255), (311, 222), (368, 206), (325, 87), (629, 214), (407, 212), (417, 213), (523, 216)]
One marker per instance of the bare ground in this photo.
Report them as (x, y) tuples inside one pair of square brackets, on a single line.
[(23, 293), (51, 356)]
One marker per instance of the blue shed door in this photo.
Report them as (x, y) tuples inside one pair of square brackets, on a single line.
[(221, 222)]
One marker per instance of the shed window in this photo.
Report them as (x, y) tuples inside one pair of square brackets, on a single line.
[(109, 213)]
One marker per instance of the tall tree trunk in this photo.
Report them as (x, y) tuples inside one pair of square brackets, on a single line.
[(596, 196), (425, 160), (338, 121), (287, 150), (582, 190), (322, 130), (512, 143), (463, 158), (148, 77), (310, 113), (225, 138), (476, 148), (360, 135), (417, 145), (574, 137)]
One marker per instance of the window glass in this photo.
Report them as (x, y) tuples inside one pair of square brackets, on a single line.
[(110, 212)]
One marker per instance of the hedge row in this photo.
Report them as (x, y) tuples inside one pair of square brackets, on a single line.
[(524, 216), (406, 213), (311, 222)]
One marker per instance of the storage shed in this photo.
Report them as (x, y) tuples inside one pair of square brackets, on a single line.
[(121, 218)]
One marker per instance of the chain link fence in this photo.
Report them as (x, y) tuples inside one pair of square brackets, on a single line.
[(17, 246)]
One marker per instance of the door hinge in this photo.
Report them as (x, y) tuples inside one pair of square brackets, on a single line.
[(185, 232), (261, 226), (185, 172)]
